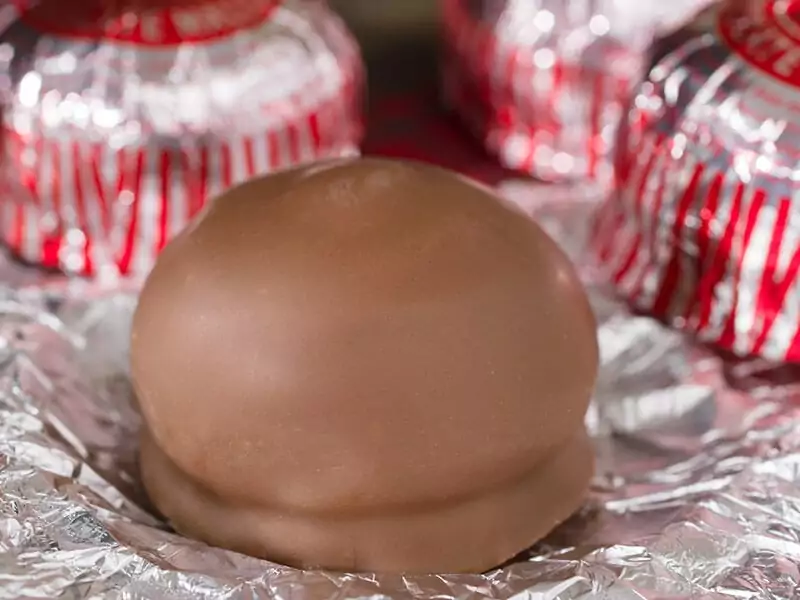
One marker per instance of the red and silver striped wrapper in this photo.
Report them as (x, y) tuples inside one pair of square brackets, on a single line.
[(704, 230), (117, 129), (542, 82)]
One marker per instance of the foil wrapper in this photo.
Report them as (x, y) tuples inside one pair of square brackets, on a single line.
[(702, 230), (543, 82), (697, 493), (119, 124)]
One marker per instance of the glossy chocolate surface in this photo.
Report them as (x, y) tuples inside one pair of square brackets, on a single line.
[(365, 365)]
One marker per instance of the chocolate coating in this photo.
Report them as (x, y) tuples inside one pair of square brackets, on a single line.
[(365, 365)]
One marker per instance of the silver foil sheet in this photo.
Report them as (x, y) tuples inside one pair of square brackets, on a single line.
[(697, 494), (702, 230), (118, 126), (543, 82)]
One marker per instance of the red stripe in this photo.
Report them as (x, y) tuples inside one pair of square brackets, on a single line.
[(506, 114), (122, 172), (52, 237), (274, 150), (720, 256), (673, 270), (100, 185), (638, 214), (191, 181), (657, 205), (80, 207), (313, 127), (629, 134), (595, 126), (793, 352), (599, 233), (613, 218), (618, 201), (15, 146), (27, 173), (772, 292), (294, 143), (249, 158), (528, 117), (652, 223), (165, 180), (325, 120), (55, 251), (115, 223), (133, 184), (33, 185), (196, 180), (708, 216), (629, 259), (5, 225), (17, 227), (227, 170), (509, 79), (737, 254), (114, 206), (553, 123)]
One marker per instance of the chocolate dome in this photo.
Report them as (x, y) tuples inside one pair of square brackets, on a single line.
[(365, 365)]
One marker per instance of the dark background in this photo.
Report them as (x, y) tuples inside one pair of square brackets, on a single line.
[(405, 118), (399, 38)]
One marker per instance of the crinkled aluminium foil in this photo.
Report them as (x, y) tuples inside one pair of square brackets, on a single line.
[(697, 494)]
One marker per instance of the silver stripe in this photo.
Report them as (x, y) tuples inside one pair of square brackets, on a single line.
[(178, 215)]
